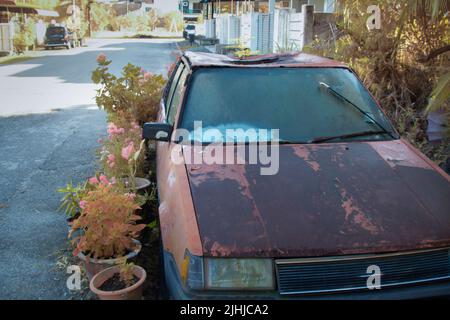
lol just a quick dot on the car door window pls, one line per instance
(176, 98)
(173, 85)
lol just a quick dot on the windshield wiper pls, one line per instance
(345, 136)
(340, 96)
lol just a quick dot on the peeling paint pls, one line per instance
(236, 173)
(305, 154)
(356, 214)
(396, 153)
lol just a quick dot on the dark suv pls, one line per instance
(57, 36)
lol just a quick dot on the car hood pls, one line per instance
(328, 199)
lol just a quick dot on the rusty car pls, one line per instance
(351, 203)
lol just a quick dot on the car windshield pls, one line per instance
(288, 99)
(55, 31)
(190, 27)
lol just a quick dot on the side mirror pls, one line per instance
(157, 131)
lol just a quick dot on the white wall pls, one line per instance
(166, 6)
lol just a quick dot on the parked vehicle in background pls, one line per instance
(351, 201)
(188, 31)
(58, 36)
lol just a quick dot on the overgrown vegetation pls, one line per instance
(400, 63)
(25, 37)
(103, 17)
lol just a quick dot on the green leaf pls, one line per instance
(440, 93)
(152, 224)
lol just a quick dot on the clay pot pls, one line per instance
(94, 266)
(133, 292)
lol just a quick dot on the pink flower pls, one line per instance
(111, 160)
(113, 180)
(130, 196)
(83, 204)
(127, 151)
(104, 179)
(113, 130)
(93, 180)
(100, 141)
(147, 76)
(101, 58)
(134, 125)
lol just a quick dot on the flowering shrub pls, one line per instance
(135, 95)
(108, 220)
(122, 153)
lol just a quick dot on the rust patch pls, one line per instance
(396, 153)
(356, 214)
(236, 173)
(355, 203)
(305, 154)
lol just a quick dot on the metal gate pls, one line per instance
(6, 36)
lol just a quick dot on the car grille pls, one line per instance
(336, 274)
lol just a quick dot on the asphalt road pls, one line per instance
(49, 127)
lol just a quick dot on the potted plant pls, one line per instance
(130, 100)
(108, 221)
(121, 282)
(122, 154)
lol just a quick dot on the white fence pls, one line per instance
(264, 36)
(210, 28)
(285, 30)
(227, 29)
(6, 36)
(296, 30)
(281, 29)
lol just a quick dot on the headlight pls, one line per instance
(239, 274)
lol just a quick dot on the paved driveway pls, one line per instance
(49, 127)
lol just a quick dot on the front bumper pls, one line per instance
(437, 289)
(56, 44)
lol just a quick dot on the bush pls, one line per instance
(25, 37)
(102, 16)
(173, 21)
(108, 221)
(393, 61)
(134, 96)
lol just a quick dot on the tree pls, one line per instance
(102, 16)
(401, 62)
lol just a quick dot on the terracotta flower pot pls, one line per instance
(133, 292)
(94, 266)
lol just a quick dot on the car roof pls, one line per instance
(204, 59)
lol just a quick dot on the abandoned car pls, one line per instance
(350, 210)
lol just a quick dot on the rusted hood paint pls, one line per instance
(330, 199)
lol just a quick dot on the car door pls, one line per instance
(179, 230)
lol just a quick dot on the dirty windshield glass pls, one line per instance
(288, 99)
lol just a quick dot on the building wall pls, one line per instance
(166, 6)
